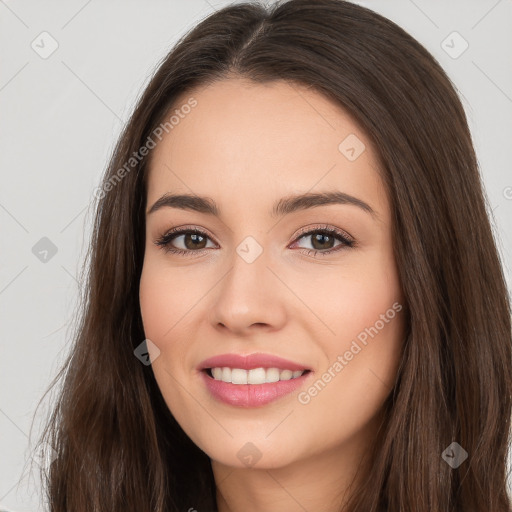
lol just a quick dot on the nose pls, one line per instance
(248, 297)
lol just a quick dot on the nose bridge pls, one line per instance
(248, 293)
(249, 274)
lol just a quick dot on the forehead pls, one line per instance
(262, 141)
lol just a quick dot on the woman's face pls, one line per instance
(251, 283)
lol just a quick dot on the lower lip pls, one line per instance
(252, 395)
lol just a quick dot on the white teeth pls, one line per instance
(254, 376)
(226, 374)
(238, 376)
(272, 375)
(285, 374)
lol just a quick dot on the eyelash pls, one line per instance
(165, 240)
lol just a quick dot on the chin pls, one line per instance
(254, 454)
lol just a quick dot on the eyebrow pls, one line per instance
(282, 207)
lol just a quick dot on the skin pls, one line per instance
(267, 141)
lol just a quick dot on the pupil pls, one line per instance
(195, 237)
(319, 237)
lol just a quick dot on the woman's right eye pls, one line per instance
(192, 238)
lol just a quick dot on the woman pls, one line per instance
(370, 373)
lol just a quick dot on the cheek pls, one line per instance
(154, 297)
(360, 369)
(353, 296)
(375, 324)
(365, 313)
(368, 330)
(166, 296)
(162, 305)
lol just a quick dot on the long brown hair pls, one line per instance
(118, 447)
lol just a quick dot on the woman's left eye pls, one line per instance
(322, 237)
(194, 240)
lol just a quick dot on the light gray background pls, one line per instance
(61, 117)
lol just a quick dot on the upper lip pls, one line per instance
(251, 361)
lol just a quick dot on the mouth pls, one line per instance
(256, 387)
(254, 376)
(252, 380)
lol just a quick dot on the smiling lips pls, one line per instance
(254, 376)
(253, 380)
